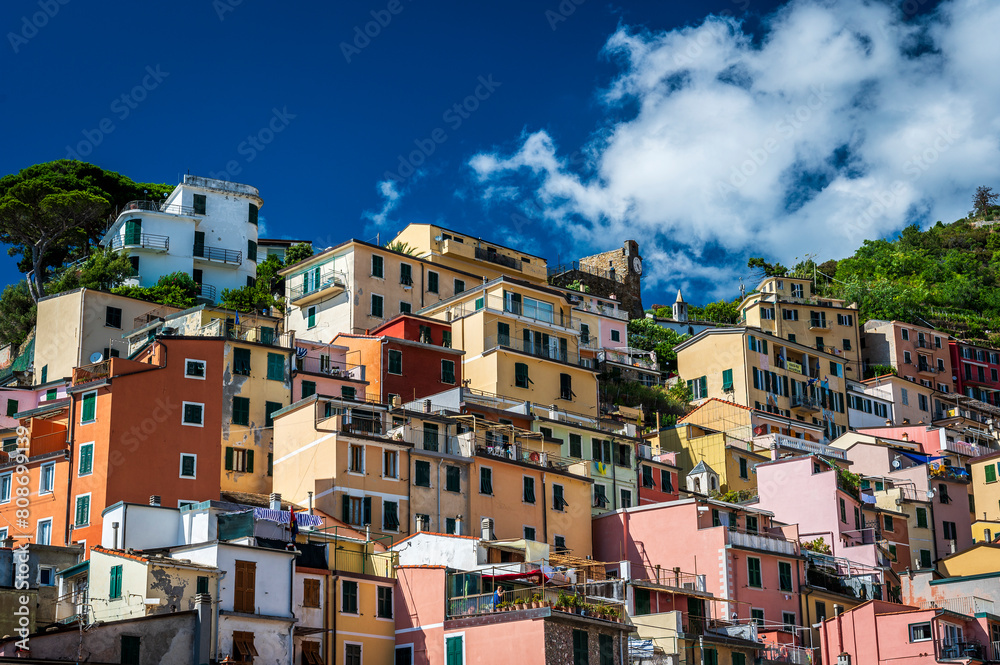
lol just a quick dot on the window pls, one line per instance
(575, 445)
(796, 290)
(446, 339)
(626, 496)
(251, 250)
(757, 616)
(239, 459)
(243, 649)
(486, 481)
(521, 379)
(925, 559)
(390, 516)
(308, 389)
(949, 530)
(390, 464)
(767, 313)
(88, 411)
(887, 521)
(790, 314)
(600, 450)
(739, 658)
(459, 286)
(432, 282)
(789, 619)
(12, 407)
(616, 336)
(448, 371)
(711, 656)
(560, 544)
(991, 473)
(113, 317)
(405, 307)
(921, 514)
(606, 649)
(189, 465)
(453, 479)
(943, 493)
(751, 523)
(86, 465)
(275, 367)
(115, 583)
(241, 411)
(395, 361)
(920, 631)
(405, 274)
(241, 361)
(600, 496)
(454, 650)
(744, 471)
(784, 576)
(431, 436)
(378, 266)
(846, 344)
(43, 535)
(666, 481)
(529, 533)
(349, 597)
(819, 343)
(647, 476)
(356, 459)
(565, 387)
(377, 302)
(194, 369)
(310, 592)
(845, 319)
(47, 478)
(528, 489)
(699, 387)
(727, 379)
(82, 510)
(558, 498)
(311, 317)
(753, 572)
(422, 473)
(383, 604)
(581, 650)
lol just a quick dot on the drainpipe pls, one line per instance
(69, 447)
(218, 604)
(291, 608)
(545, 513)
(331, 608)
(438, 490)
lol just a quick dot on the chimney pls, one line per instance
(275, 501)
(487, 529)
(553, 412)
(114, 537)
(427, 406)
(154, 500)
(458, 525)
(203, 630)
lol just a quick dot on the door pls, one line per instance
(696, 615)
(133, 232)
(199, 243)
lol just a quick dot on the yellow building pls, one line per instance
(732, 459)
(986, 491)
(802, 385)
(787, 308)
(338, 451)
(980, 559)
(466, 253)
(521, 341)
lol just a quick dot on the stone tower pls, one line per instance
(615, 273)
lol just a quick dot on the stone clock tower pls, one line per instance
(618, 273)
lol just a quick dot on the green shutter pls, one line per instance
(82, 510)
(308, 389)
(229, 459)
(922, 518)
(447, 371)
(753, 572)
(784, 576)
(367, 504)
(241, 361)
(453, 652)
(89, 408)
(199, 244)
(269, 409)
(275, 367)
(115, 585)
(311, 317)
(241, 411)
(249, 461)
(727, 379)
(253, 214)
(446, 339)
(251, 250)
(377, 307)
(432, 282)
(345, 509)
(991, 472)
(704, 386)
(270, 464)
(133, 232)
(503, 334)
(348, 392)
(86, 459)
(395, 361)
(202, 584)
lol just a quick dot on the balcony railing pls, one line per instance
(583, 267)
(963, 448)
(631, 357)
(207, 291)
(366, 426)
(675, 579)
(805, 403)
(927, 369)
(785, 653)
(382, 564)
(967, 605)
(557, 316)
(537, 350)
(498, 258)
(303, 287)
(792, 443)
(819, 324)
(427, 439)
(595, 606)
(960, 650)
(93, 372)
(142, 240)
(159, 206)
(761, 541)
(218, 254)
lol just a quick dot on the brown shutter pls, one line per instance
(246, 580)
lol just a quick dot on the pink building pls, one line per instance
(877, 633)
(745, 558)
(470, 630)
(323, 369)
(935, 441)
(15, 400)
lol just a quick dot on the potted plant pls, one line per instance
(536, 601)
(563, 602)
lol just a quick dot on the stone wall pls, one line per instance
(559, 639)
(608, 274)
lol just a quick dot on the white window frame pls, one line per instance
(90, 509)
(456, 634)
(180, 468)
(52, 576)
(358, 644)
(3, 533)
(453, 372)
(525, 527)
(350, 450)
(187, 424)
(7, 478)
(38, 529)
(204, 367)
(910, 627)
(80, 458)
(41, 478)
(83, 397)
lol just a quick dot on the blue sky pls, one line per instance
(580, 123)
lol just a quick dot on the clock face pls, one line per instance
(637, 265)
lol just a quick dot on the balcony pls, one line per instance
(92, 372)
(229, 257)
(363, 426)
(967, 449)
(786, 653)
(925, 368)
(923, 344)
(496, 257)
(805, 404)
(159, 206)
(207, 292)
(762, 541)
(960, 650)
(819, 324)
(967, 605)
(587, 599)
(381, 564)
(769, 441)
(630, 357)
(140, 241)
(430, 440)
(311, 287)
(536, 350)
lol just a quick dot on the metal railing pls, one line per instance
(804, 402)
(581, 267)
(92, 372)
(785, 653)
(587, 602)
(143, 240)
(960, 650)
(382, 564)
(631, 357)
(218, 254)
(498, 258)
(675, 579)
(963, 448)
(159, 206)
(427, 439)
(207, 291)
(792, 443)
(571, 357)
(306, 287)
(967, 605)
(366, 426)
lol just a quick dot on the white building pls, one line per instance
(205, 228)
(868, 405)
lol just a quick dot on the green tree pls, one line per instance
(298, 252)
(647, 335)
(401, 247)
(983, 201)
(51, 213)
(722, 311)
(176, 290)
(767, 269)
(17, 313)
(103, 270)
(262, 294)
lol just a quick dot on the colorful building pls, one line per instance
(324, 369)
(918, 354)
(985, 476)
(976, 370)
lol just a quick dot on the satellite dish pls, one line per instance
(896, 464)
(930, 494)
(96, 357)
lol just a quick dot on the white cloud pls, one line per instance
(840, 122)
(389, 191)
